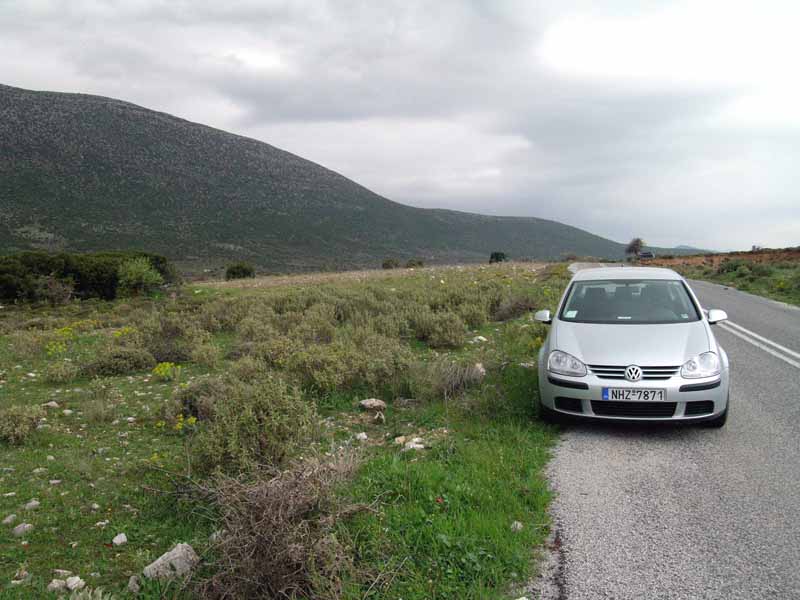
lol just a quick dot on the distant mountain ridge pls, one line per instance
(81, 172)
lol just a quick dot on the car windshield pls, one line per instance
(629, 301)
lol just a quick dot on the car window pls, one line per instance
(629, 301)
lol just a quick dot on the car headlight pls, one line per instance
(565, 364)
(703, 365)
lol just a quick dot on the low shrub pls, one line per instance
(27, 343)
(17, 423)
(240, 270)
(206, 355)
(119, 361)
(61, 371)
(444, 378)
(259, 424)
(390, 263)
(278, 539)
(448, 331)
(414, 263)
(512, 307)
(197, 399)
(170, 337)
(497, 257)
(247, 368)
(166, 371)
(137, 277)
(474, 314)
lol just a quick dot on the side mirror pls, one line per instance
(715, 316)
(543, 316)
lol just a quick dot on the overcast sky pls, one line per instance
(675, 121)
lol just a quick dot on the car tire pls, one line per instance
(548, 415)
(720, 420)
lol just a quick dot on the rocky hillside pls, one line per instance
(81, 172)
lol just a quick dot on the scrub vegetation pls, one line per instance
(771, 273)
(228, 418)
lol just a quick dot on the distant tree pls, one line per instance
(137, 277)
(240, 270)
(634, 247)
(496, 257)
(414, 262)
(391, 263)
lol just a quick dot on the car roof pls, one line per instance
(626, 273)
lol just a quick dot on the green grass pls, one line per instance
(778, 280)
(441, 525)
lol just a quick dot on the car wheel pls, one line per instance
(719, 421)
(548, 415)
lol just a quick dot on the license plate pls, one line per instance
(637, 394)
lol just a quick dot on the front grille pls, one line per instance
(569, 404)
(701, 407)
(633, 409)
(617, 372)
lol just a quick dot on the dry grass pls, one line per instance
(277, 539)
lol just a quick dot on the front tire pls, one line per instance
(720, 420)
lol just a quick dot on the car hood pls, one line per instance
(647, 345)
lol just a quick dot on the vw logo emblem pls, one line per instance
(633, 373)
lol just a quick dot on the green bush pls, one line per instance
(496, 257)
(414, 262)
(258, 424)
(448, 331)
(137, 277)
(61, 371)
(170, 336)
(390, 263)
(197, 398)
(92, 275)
(119, 361)
(17, 423)
(239, 270)
(742, 271)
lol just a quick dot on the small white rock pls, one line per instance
(67, 412)
(516, 526)
(75, 583)
(9, 519)
(362, 436)
(414, 444)
(51, 404)
(21, 529)
(133, 584)
(373, 405)
(55, 481)
(101, 524)
(57, 585)
(120, 539)
(62, 573)
(33, 504)
(95, 506)
(176, 563)
(38, 470)
(50, 457)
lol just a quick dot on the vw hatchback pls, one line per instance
(632, 344)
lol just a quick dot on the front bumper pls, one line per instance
(686, 399)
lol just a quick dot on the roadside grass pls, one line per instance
(778, 280)
(441, 520)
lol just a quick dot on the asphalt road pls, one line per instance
(686, 512)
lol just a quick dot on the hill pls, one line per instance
(88, 173)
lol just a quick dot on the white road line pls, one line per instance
(757, 344)
(784, 349)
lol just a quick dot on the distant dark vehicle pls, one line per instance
(646, 255)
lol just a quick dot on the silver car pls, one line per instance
(632, 344)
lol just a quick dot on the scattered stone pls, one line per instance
(516, 526)
(362, 437)
(131, 419)
(120, 539)
(21, 529)
(101, 524)
(95, 506)
(400, 440)
(67, 412)
(57, 585)
(9, 494)
(373, 405)
(75, 583)
(55, 481)
(175, 563)
(62, 573)
(50, 457)
(33, 504)
(38, 470)
(414, 444)
(9, 519)
(51, 404)
(478, 339)
(480, 370)
(133, 584)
